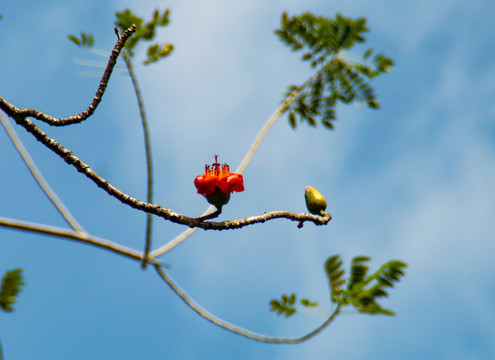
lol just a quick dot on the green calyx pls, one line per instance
(315, 202)
(218, 198)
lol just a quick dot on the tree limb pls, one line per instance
(75, 119)
(73, 235)
(158, 210)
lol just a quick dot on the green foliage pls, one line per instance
(286, 305)
(362, 290)
(334, 271)
(86, 40)
(145, 31)
(322, 42)
(156, 53)
(11, 286)
(319, 36)
(358, 271)
(308, 303)
(363, 293)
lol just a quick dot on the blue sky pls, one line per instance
(412, 181)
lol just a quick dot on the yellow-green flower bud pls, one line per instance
(315, 202)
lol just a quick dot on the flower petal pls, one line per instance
(205, 186)
(236, 182)
(231, 183)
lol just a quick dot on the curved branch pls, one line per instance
(73, 235)
(19, 113)
(280, 214)
(236, 329)
(158, 210)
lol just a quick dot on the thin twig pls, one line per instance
(212, 215)
(19, 113)
(38, 177)
(236, 329)
(73, 235)
(147, 146)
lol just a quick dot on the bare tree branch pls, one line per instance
(20, 113)
(158, 210)
(73, 235)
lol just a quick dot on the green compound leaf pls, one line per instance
(383, 63)
(155, 52)
(323, 43)
(363, 291)
(11, 286)
(358, 271)
(360, 289)
(335, 273)
(284, 306)
(145, 31)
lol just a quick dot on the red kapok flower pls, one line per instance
(217, 183)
